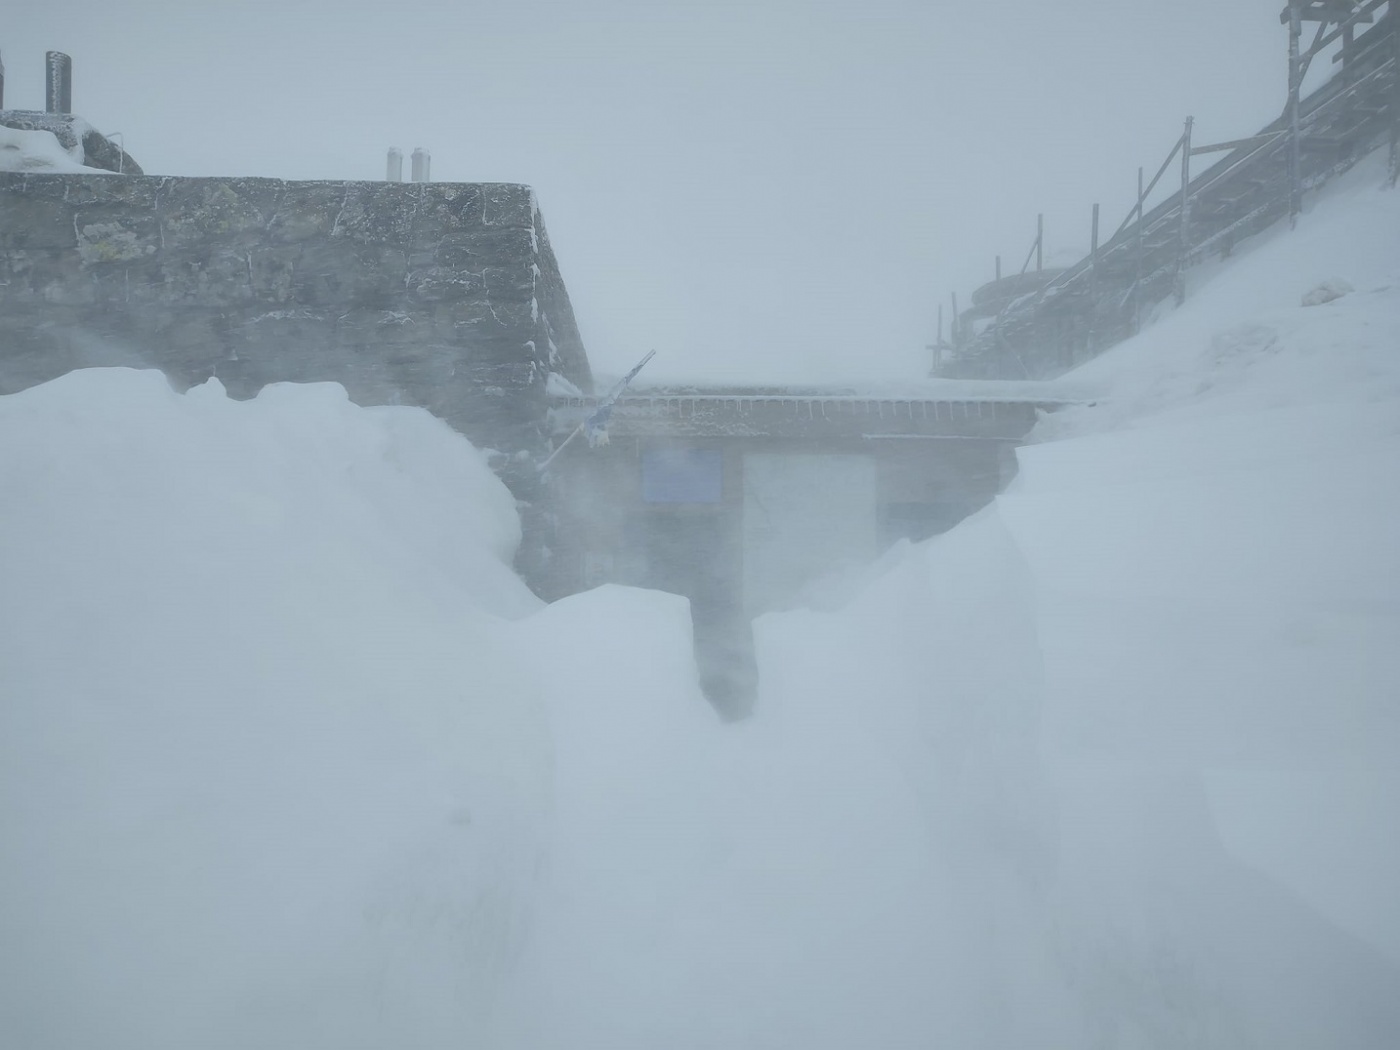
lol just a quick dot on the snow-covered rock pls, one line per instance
(39, 151)
(84, 144)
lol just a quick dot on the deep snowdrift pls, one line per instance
(1216, 552)
(289, 758)
(266, 775)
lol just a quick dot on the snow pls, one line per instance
(1226, 518)
(556, 385)
(289, 757)
(40, 152)
(264, 770)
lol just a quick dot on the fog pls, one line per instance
(778, 190)
(1080, 733)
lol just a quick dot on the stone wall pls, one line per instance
(446, 296)
(440, 295)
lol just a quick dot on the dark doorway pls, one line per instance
(696, 553)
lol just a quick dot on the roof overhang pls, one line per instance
(812, 415)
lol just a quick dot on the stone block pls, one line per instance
(302, 216)
(270, 272)
(508, 204)
(211, 277)
(138, 281)
(496, 246)
(231, 212)
(109, 236)
(29, 221)
(511, 283)
(444, 209)
(125, 195)
(438, 284)
(376, 213)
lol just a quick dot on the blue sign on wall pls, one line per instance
(682, 475)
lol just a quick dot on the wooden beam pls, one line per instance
(1325, 11)
(1257, 140)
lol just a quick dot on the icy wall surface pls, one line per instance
(445, 296)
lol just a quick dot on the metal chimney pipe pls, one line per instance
(421, 161)
(394, 171)
(58, 94)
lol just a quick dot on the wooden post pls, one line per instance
(1039, 239)
(1093, 279)
(1394, 17)
(1295, 86)
(1137, 274)
(936, 347)
(1094, 239)
(1094, 283)
(1184, 233)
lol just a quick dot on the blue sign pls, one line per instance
(682, 475)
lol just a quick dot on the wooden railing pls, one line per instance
(1041, 328)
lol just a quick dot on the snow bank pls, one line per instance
(269, 775)
(1217, 559)
(41, 152)
(289, 757)
(1143, 710)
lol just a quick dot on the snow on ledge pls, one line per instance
(40, 152)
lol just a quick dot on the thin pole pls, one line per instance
(1039, 239)
(1093, 279)
(1139, 223)
(954, 333)
(1295, 85)
(1137, 275)
(1394, 17)
(1094, 238)
(1142, 194)
(1184, 238)
(998, 267)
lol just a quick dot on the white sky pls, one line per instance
(770, 189)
